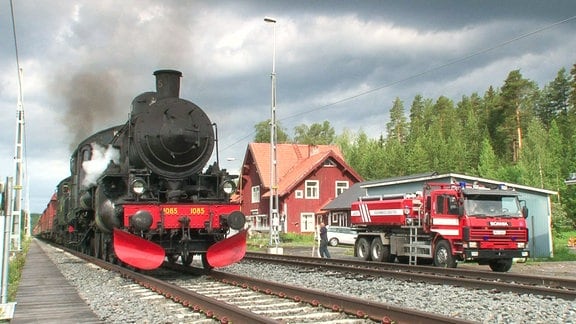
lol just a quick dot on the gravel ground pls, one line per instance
(117, 300)
(475, 305)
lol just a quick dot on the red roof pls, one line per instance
(295, 162)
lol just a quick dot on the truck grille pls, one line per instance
(494, 235)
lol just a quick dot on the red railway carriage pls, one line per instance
(45, 223)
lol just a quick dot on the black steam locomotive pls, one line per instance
(140, 192)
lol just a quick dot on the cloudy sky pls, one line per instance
(341, 61)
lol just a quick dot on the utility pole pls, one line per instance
(274, 210)
(18, 162)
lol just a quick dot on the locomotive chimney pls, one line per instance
(167, 83)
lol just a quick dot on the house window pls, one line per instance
(329, 163)
(255, 194)
(312, 189)
(299, 194)
(341, 186)
(339, 219)
(307, 221)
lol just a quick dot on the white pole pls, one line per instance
(274, 208)
(7, 222)
(18, 156)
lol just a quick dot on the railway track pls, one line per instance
(225, 297)
(509, 282)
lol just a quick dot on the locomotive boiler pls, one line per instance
(142, 192)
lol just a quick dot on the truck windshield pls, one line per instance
(492, 205)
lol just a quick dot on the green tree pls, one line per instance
(553, 102)
(488, 162)
(509, 118)
(315, 134)
(262, 135)
(397, 127)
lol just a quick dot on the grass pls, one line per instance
(15, 269)
(258, 241)
(561, 250)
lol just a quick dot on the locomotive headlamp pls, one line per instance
(138, 186)
(228, 186)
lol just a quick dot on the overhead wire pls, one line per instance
(414, 76)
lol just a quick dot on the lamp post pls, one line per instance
(274, 212)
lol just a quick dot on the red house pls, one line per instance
(309, 177)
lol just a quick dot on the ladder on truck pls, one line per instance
(413, 242)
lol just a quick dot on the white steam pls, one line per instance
(101, 158)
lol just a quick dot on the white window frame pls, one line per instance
(340, 187)
(255, 194)
(307, 224)
(299, 194)
(312, 190)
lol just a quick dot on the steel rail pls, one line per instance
(210, 307)
(385, 313)
(523, 284)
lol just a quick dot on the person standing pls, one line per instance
(324, 242)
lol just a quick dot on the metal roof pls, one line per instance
(434, 176)
(346, 198)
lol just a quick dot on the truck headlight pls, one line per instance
(521, 245)
(473, 245)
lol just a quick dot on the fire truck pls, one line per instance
(444, 224)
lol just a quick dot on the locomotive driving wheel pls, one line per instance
(187, 258)
(172, 258)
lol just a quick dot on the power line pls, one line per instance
(417, 75)
(436, 68)
(18, 69)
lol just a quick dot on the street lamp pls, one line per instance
(274, 217)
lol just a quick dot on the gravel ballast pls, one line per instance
(117, 300)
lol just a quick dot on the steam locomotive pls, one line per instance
(141, 193)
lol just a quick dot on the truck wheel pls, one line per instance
(443, 255)
(501, 265)
(378, 251)
(363, 249)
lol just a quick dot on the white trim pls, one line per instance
(445, 221)
(447, 232)
(255, 190)
(367, 214)
(314, 186)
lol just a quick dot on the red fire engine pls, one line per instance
(443, 224)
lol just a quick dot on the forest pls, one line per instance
(517, 133)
